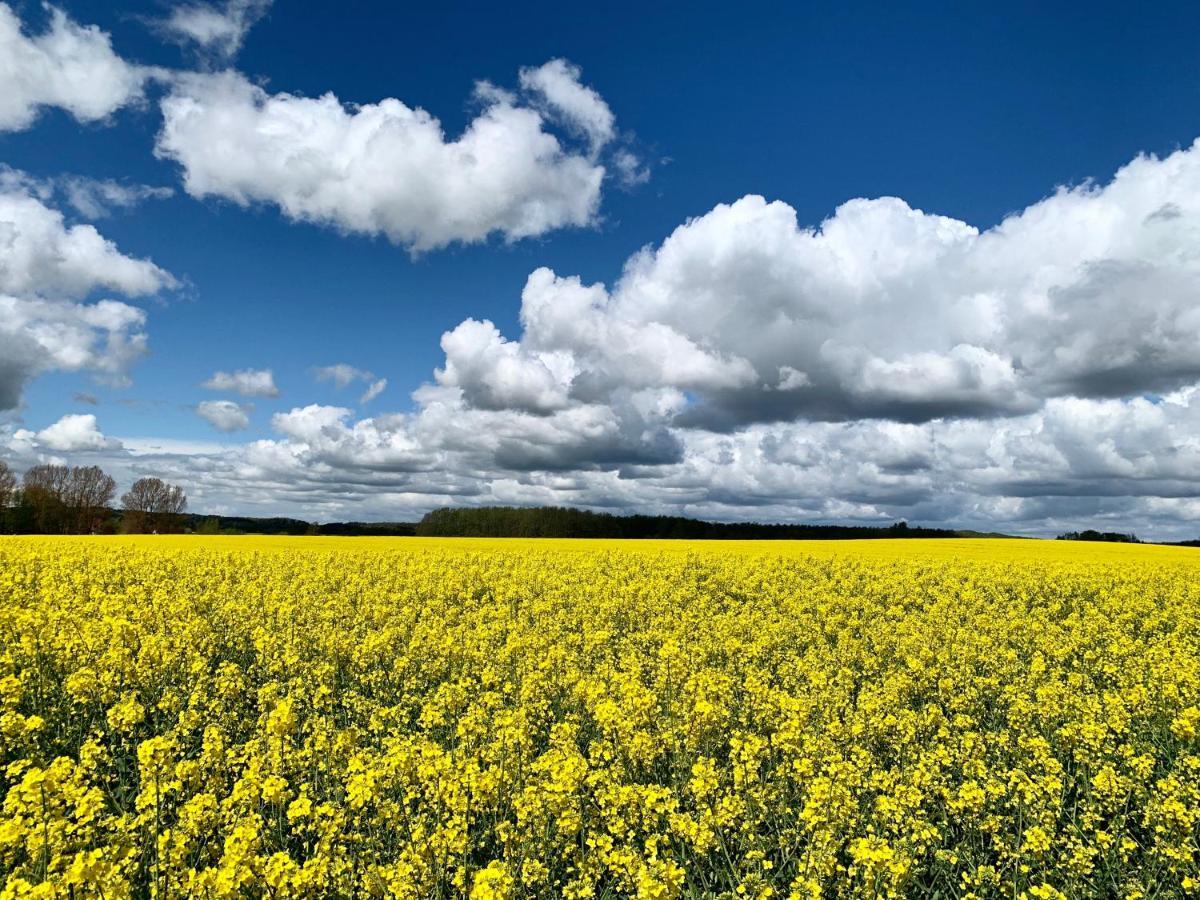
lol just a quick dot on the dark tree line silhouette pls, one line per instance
(58, 499)
(558, 521)
(1108, 537)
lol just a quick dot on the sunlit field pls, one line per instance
(338, 717)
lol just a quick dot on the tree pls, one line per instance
(8, 496)
(89, 493)
(63, 500)
(43, 490)
(8, 486)
(152, 505)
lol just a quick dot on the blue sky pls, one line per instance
(962, 111)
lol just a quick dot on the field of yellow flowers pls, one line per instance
(244, 717)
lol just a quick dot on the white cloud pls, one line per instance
(92, 198)
(344, 374)
(341, 374)
(70, 66)
(247, 382)
(40, 254)
(73, 433)
(558, 87)
(216, 29)
(1124, 463)
(630, 168)
(886, 311)
(45, 266)
(374, 389)
(310, 423)
(96, 198)
(224, 415)
(378, 168)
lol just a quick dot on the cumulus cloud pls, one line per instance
(75, 433)
(387, 168)
(46, 267)
(40, 253)
(557, 85)
(70, 66)
(224, 415)
(247, 382)
(883, 311)
(215, 29)
(37, 335)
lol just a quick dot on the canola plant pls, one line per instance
(242, 717)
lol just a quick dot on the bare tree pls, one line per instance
(89, 492)
(66, 499)
(8, 486)
(152, 505)
(8, 496)
(43, 489)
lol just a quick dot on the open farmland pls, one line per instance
(317, 717)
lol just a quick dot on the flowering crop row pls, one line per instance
(236, 719)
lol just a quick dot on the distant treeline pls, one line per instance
(59, 499)
(1111, 537)
(279, 525)
(563, 522)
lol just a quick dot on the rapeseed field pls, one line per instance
(245, 717)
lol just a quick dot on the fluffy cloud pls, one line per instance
(40, 254)
(247, 382)
(45, 267)
(883, 311)
(215, 29)
(73, 433)
(224, 415)
(40, 335)
(557, 85)
(387, 168)
(70, 66)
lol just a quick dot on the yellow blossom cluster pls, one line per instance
(182, 717)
